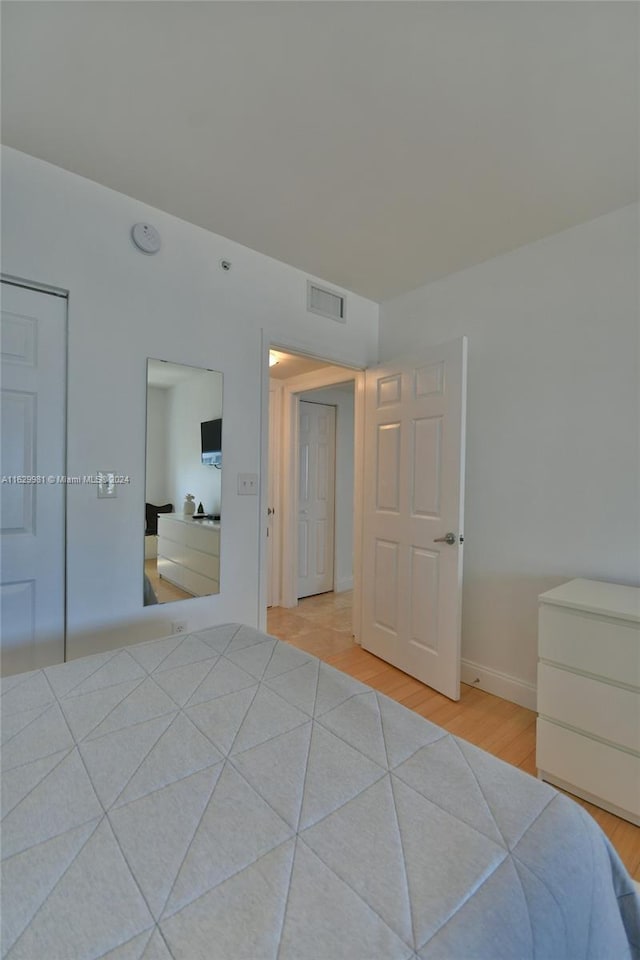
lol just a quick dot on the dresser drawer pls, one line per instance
(188, 580)
(592, 644)
(172, 529)
(205, 564)
(198, 585)
(170, 549)
(598, 708)
(206, 539)
(172, 572)
(605, 773)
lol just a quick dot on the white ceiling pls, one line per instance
(378, 145)
(162, 374)
(293, 364)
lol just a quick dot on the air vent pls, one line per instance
(326, 303)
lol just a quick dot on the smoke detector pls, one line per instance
(146, 238)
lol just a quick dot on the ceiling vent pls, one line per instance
(326, 302)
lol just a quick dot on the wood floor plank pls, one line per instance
(321, 626)
(520, 747)
(529, 763)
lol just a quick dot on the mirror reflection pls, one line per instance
(183, 476)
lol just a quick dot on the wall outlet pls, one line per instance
(179, 626)
(248, 484)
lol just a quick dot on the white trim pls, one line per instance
(317, 379)
(500, 684)
(263, 485)
(275, 452)
(346, 583)
(358, 501)
(288, 502)
(32, 285)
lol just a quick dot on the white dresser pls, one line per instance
(588, 735)
(189, 553)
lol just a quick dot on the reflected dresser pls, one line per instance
(189, 553)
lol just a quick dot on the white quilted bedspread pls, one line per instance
(225, 796)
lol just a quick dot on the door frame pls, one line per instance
(272, 485)
(288, 441)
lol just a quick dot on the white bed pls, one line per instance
(224, 796)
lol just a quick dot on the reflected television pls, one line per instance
(211, 434)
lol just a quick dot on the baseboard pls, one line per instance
(345, 583)
(501, 684)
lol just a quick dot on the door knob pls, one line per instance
(449, 538)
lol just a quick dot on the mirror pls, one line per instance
(183, 475)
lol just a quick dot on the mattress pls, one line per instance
(224, 795)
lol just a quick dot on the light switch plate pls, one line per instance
(107, 487)
(247, 484)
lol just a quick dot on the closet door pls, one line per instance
(32, 494)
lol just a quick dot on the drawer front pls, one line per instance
(170, 549)
(172, 572)
(206, 539)
(203, 563)
(606, 648)
(172, 529)
(591, 705)
(609, 774)
(198, 585)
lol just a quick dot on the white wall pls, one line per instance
(63, 230)
(552, 442)
(190, 402)
(343, 399)
(157, 483)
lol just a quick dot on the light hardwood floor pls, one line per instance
(322, 625)
(164, 591)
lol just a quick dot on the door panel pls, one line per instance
(387, 467)
(413, 496)
(427, 467)
(386, 582)
(303, 549)
(424, 598)
(18, 459)
(33, 352)
(316, 494)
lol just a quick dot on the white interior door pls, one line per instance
(273, 573)
(316, 496)
(413, 500)
(32, 577)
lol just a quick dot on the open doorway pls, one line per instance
(312, 511)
